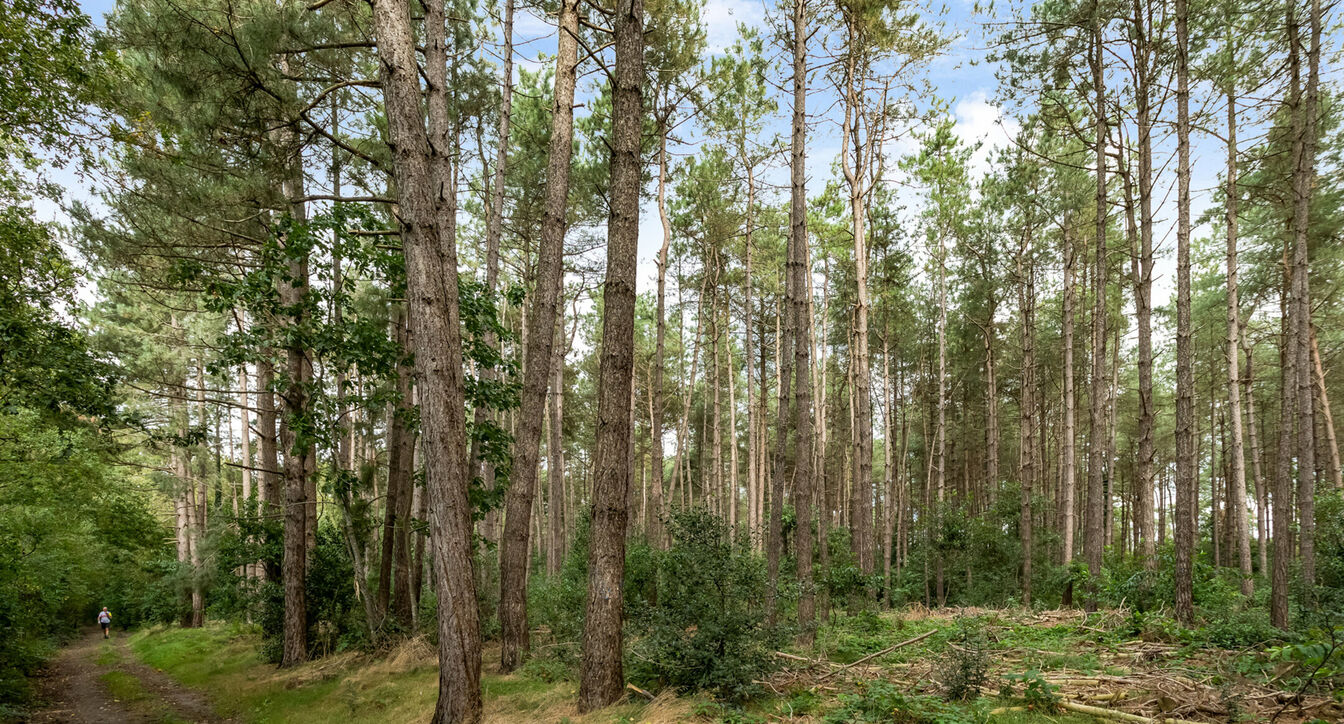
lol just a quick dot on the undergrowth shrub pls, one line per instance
(1037, 693)
(707, 631)
(966, 665)
(849, 638)
(555, 604)
(882, 702)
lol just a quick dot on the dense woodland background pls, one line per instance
(351, 342)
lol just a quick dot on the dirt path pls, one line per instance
(93, 680)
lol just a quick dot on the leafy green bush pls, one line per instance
(556, 603)
(1318, 660)
(848, 638)
(842, 579)
(707, 631)
(1239, 629)
(1037, 693)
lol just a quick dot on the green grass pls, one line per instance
(124, 687)
(108, 654)
(353, 688)
(349, 688)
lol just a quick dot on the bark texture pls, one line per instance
(601, 676)
(1186, 471)
(426, 207)
(540, 346)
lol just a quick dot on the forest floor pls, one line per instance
(1062, 667)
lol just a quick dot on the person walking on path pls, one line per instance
(105, 620)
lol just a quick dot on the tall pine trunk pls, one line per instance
(540, 343)
(798, 270)
(1304, 173)
(1236, 503)
(1067, 467)
(1097, 500)
(601, 677)
(421, 166)
(1186, 472)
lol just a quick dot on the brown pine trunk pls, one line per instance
(1283, 483)
(555, 468)
(1261, 494)
(494, 230)
(1094, 541)
(1323, 399)
(855, 167)
(732, 426)
(271, 502)
(755, 491)
(1026, 273)
(802, 328)
(1142, 272)
(601, 676)
(249, 491)
(656, 419)
(888, 516)
(540, 342)
(293, 291)
(400, 489)
(784, 340)
(1186, 472)
(1304, 174)
(1067, 467)
(395, 432)
(427, 209)
(1237, 479)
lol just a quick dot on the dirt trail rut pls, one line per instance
(92, 680)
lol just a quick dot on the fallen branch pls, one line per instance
(640, 691)
(887, 650)
(1114, 715)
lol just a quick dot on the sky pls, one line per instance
(960, 78)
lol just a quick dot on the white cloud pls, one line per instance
(979, 121)
(721, 18)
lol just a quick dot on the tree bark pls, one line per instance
(1237, 483)
(798, 269)
(601, 676)
(494, 231)
(540, 342)
(1336, 475)
(1094, 544)
(1026, 273)
(1186, 472)
(400, 486)
(1261, 493)
(1143, 286)
(1304, 174)
(422, 171)
(656, 419)
(271, 503)
(784, 340)
(293, 292)
(555, 466)
(1067, 467)
(861, 496)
